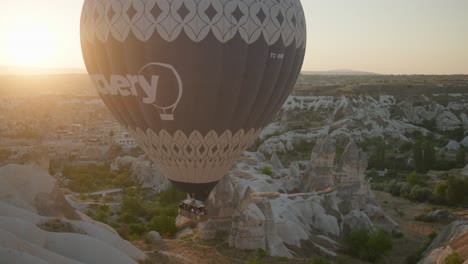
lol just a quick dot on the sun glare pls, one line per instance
(28, 45)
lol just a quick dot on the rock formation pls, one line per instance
(149, 175)
(464, 172)
(30, 201)
(143, 171)
(276, 162)
(320, 174)
(255, 211)
(353, 189)
(452, 239)
(33, 189)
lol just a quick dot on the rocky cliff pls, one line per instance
(281, 215)
(37, 225)
(452, 239)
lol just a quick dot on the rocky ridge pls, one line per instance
(364, 115)
(281, 215)
(452, 239)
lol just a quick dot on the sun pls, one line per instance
(28, 45)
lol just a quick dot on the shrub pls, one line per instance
(171, 195)
(267, 171)
(419, 193)
(137, 230)
(368, 244)
(415, 179)
(262, 253)
(394, 188)
(164, 225)
(453, 258)
(254, 261)
(319, 261)
(397, 235)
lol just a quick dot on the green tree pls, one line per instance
(132, 206)
(461, 157)
(440, 191)
(429, 156)
(123, 180)
(415, 179)
(418, 157)
(368, 244)
(378, 245)
(164, 225)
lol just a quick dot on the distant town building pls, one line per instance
(123, 138)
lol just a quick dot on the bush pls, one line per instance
(405, 190)
(254, 261)
(164, 225)
(452, 192)
(419, 193)
(171, 196)
(262, 253)
(267, 171)
(415, 179)
(136, 231)
(453, 258)
(394, 188)
(368, 244)
(319, 261)
(133, 206)
(425, 218)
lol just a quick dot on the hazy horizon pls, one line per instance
(386, 37)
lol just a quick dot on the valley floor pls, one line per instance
(190, 249)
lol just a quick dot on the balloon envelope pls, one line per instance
(193, 81)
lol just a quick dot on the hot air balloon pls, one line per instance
(193, 81)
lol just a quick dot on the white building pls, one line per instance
(123, 138)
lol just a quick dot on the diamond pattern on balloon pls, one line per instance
(183, 11)
(211, 12)
(274, 20)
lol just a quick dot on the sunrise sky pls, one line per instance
(383, 36)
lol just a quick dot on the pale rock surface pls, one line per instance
(22, 240)
(143, 171)
(254, 211)
(122, 164)
(448, 121)
(320, 174)
(32, 188)
(14, 256)
(464, 118)
(58, 247)
(271, 146)
(453, 146)
(356, 220)
(464, 172)
(149, 175)
(276, 162)
(464, 142)
(453, 238)
(353, 189)
(155, 236)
